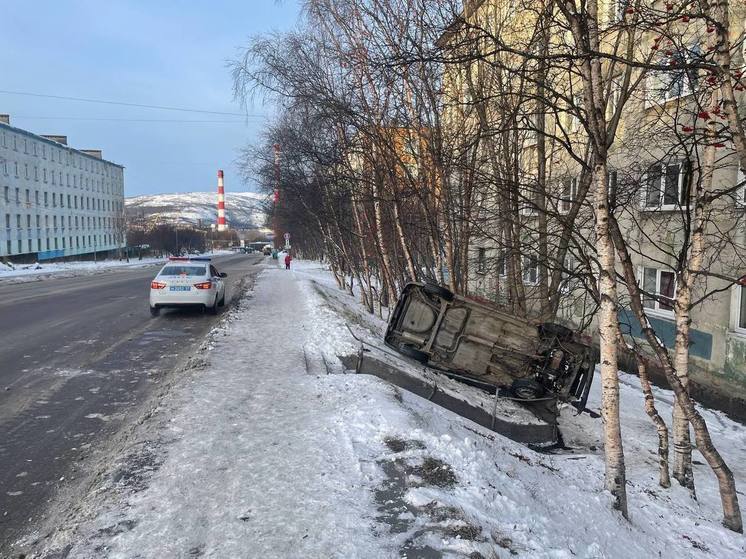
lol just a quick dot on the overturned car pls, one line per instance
(477, 341)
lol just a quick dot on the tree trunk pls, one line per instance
(663, 476)
(608, 327)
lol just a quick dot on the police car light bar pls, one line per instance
(188, 259)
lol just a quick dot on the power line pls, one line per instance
(126, 104)
(127, 119)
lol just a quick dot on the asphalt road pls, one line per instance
(77, 358)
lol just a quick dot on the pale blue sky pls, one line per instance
(170, 53)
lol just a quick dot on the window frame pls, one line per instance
(565, 203)
(740, 190)
(656, 310)
(684, 172)
(526, 268)
(738, 293)
(481, 261)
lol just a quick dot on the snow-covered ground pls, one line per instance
(19, 273)
(260, 453)
(38, 271)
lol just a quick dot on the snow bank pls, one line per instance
(26, 272)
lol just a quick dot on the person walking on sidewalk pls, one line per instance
(287, 261)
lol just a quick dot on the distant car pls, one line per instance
(187, 282)
(475, 339)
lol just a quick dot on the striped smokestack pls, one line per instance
(221, 203)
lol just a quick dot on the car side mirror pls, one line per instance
(223, 275)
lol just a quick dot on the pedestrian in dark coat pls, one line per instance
(287, 261)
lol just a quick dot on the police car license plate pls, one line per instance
(179, 288)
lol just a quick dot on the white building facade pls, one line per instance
(56, 201)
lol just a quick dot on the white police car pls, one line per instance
(187, 282)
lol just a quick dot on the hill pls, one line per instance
(243, 210)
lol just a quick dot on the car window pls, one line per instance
(183, 271)
(213, 271)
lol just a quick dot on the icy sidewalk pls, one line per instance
(263, 460)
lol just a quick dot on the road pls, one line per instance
(78, 358)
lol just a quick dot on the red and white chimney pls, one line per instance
(221, 203)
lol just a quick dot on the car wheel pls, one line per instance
(526, 389)
(414, 353)
(438, 291)
(214, 308)
(221, 303)
(552, 330)
(154, 311)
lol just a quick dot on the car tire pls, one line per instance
(552, 330)
(438, 291)
(155, 311)
(414, 353)
(221, 303)
(214, 308)
(526, 389)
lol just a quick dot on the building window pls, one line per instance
(666, 185)
(740, 188)
(481, 260)
(738, 311)
(530, 269)
(36, 198)
(46, 199)
(660, 290)
(18, 195)
(574, 116)
(569, 193)
(679, 81)
(6, 194)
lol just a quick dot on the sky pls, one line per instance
(151, 52)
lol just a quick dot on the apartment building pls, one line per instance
(56, 201)
(649, 177)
